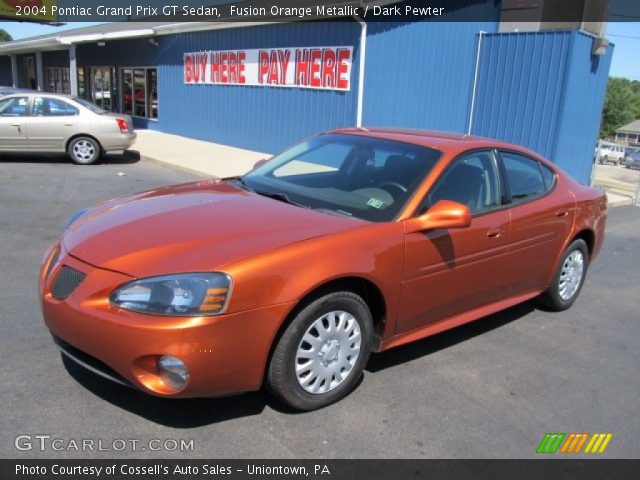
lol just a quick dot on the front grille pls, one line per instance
(66, 282)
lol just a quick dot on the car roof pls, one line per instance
(439, 140)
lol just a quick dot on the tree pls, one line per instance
(621, 105)
(4, 36)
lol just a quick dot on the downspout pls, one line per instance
(361, 65)
(14, 71)
(475, 82)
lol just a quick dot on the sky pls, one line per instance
(625, 36)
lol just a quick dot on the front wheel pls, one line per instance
(569, 277)
(84, 150)
(322, 353)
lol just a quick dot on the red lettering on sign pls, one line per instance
(302, 67)
(329, 68)
(316, 64)
(188, 72)
(215, 67)
(273, 68)
(263, 59)
(241, 58)
(233, 60)
(344, 58)
(284, 56)
(224, 67)
(202, 66)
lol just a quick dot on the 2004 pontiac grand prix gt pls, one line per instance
(353, 241)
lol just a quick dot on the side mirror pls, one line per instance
(259, 163)
(444, 214)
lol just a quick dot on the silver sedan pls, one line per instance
(43, 122)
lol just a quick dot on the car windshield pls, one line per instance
(363, 177)
(91, 106)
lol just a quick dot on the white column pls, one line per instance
(73, 70)
(361, 67)
(39, 71)
(14, 71)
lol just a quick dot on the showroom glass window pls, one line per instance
(527, 177)
(139, 91)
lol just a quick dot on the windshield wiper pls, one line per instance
(282, 197)
(242, 183)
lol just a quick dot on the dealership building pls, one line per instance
(262, 86)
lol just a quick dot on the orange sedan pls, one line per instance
(354, 241)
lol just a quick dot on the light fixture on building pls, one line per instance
(153, 42)
(101, 44)
(599, 47)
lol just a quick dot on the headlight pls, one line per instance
(75, 217)
(186, 294)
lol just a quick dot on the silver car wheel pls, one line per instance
(327, 352)
(571, 275)
(83, 150)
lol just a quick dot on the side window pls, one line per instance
(52, 107)
(548, 176)
(14, 107)
(472, 181)
(524, 175)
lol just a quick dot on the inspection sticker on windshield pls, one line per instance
(375, 203)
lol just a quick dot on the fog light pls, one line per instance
(172, 371)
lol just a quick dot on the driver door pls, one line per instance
(451, 271)
(13, 132)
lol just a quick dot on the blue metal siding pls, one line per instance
(5, 71)
(544, 91)
(582, 102)
(521, 78)
(56, 58)
(420, 75)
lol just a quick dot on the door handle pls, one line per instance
(494, 232)
(15, 125)
(562, 212)
(68, 124)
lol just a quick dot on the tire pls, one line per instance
(347, 313)
(563, 292)
(84, 151)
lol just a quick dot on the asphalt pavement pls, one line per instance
(490, 389)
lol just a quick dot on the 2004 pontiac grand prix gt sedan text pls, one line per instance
(350, 242)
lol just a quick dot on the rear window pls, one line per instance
(87, 104)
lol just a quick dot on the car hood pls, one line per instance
(191, 227)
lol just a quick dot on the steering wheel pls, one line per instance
(395, 185)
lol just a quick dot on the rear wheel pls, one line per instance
(84, 150)
(569, 277)
(322, 353)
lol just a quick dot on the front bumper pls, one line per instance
(224, 354)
